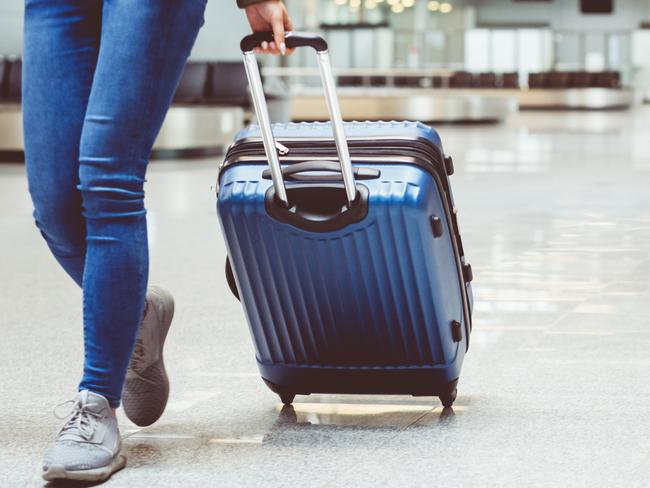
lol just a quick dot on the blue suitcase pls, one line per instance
(346, 253)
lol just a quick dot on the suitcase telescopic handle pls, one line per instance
(294, 40)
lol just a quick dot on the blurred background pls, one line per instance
(437, 61)
(483, 35)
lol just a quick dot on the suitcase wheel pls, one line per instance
(230, 278)
(285, 395)
(449, 398)
(287, 398)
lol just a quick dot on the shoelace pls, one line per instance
(138, 355)
(82, 422)
(137, 358)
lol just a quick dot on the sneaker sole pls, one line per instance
(58, 472)
(145, 396)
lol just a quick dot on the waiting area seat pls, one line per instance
(228, 85)
(398, 94)
(486, 80)
(575, 90)
(510, 80)
(574, 79)
(10, 80)
(193, 85)
(3, 69)
(378, 80)
(410, 81)
(11, 134)
(350, 81)
(429, 95)
(213, 83)
(580, 90)
(417, 79)
(461, 79)
(207, 110)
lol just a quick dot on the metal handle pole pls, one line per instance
(262, 111)
(334, 109)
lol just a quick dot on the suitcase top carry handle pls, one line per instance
(295, 172)
(293, 40)
(248, 45)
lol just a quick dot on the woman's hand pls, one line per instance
(267, 16)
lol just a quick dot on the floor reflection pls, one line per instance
(360, 414)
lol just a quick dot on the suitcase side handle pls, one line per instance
(318, 208)
(262, 112)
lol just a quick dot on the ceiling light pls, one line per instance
(445, 7)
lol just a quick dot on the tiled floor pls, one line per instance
(555, 211)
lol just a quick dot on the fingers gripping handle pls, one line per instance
(248, 45)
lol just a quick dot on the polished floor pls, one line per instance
(555, 211)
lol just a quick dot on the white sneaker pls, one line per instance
(88, 446)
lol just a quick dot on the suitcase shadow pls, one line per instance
(378, 416)
(72, 484)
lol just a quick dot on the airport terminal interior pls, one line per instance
(544, 107)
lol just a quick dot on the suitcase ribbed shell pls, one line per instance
(382, 292)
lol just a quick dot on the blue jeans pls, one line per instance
(98, 78)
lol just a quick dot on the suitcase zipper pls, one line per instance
(326, 148)
(282, 150)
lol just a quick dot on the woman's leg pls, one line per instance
(144, 47)
(60, 52)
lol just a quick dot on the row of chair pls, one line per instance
(460, 79)
(464, 79)
(574, 79)
(214, 83)
(550, 79)
(10, 80)
(205, 83)
(225, 83)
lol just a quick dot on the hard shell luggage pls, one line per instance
(345, 251)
